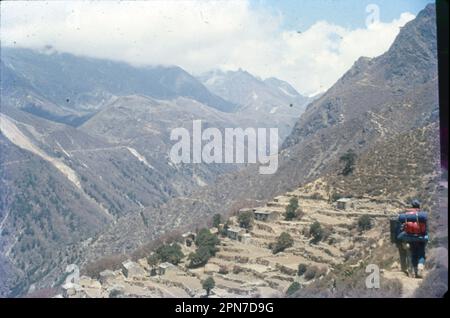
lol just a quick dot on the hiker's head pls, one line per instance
(415, 204)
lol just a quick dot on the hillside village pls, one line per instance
(245, 264)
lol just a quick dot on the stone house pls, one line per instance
(132, 269)
(233, 232)
(262, 215)
(344, 203)
(163, 268)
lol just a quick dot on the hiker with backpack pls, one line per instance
(409, 232)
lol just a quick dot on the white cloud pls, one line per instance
(197, 36)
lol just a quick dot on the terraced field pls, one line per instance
(248, 268)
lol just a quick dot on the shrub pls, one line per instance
(332, 241)
(170, 253)
(301, 269)
(348, 159)
(217, 219)
(283, 242)
(364, 223)
(115, 293)
(434, 285)
(295, 286)
(316, 196)
(206, 248)
(350, 254)
(294, 202)
(237, 269)
(245, 219)
(311, 272)
(200, 257)
(224, 230)
(153, 260)
(223, 270)
(336, 196)
(207, 240)
(290, 214)
(208, 284)
(291, 209)
(316, 232)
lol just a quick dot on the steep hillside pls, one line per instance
(402, 83)
(394, 166)
(43, 217)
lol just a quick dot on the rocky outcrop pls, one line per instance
(131, 269)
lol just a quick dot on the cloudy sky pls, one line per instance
(309, 43)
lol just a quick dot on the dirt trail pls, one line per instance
(409, 284)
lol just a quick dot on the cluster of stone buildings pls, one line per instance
(266, 214)
(138, 270)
